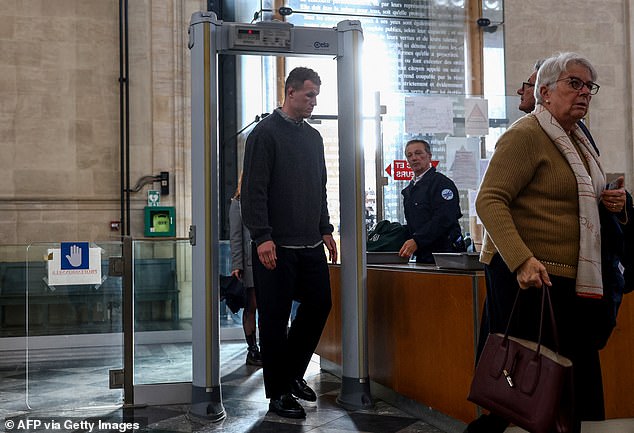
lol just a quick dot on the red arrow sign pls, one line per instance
(401, 170)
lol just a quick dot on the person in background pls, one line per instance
(531, 201)
(527, 90)
(242, 269)
(432, 208)
(285, 208)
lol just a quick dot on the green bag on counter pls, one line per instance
(387, 236)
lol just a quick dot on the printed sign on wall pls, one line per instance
(74, 263)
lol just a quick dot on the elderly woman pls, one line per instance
(539, 204)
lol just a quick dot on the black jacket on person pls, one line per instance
(432, 211)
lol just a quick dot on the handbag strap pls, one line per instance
(545, 296)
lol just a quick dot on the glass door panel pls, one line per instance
(73, 324)
(230, 322)
(162, 312)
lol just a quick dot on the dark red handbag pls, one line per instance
(525, 382)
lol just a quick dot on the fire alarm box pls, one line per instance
(160, 221)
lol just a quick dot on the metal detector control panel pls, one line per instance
(262, 36)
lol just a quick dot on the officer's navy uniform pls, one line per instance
(432, 211)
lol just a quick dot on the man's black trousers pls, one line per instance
(301, 274)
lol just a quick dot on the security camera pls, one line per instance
(486, 25)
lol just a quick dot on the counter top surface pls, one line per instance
(423, 268)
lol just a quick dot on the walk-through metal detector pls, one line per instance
(208, 37)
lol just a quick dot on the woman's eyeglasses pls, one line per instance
(578, 84)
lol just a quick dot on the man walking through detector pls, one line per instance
(285, 209)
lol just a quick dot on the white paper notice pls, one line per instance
(428, 115)
(476, 116)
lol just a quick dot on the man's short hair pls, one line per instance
(419, 140)
(538, 64)
(297, 77)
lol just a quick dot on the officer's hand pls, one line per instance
(408, 248)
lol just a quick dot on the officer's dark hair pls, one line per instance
(419, 140)
(297, 77)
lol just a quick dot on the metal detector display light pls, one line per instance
(262, 36)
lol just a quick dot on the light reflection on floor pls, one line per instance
(78, 391)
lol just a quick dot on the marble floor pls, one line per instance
(73, 396)
(243, 399)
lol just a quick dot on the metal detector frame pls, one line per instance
(209, 37)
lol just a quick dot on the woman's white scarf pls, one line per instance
(589, 187)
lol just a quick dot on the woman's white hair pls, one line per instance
(554, 66)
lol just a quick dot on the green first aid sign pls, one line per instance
(153, 198)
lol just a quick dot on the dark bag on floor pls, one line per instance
(232, 291)
(525, 382)
(387, 236)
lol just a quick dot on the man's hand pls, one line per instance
(237, 273)
(330, 243)
(408, 248)
(532, 273)
(267, 254)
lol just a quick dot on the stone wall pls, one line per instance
(599, 31)
(59, 114)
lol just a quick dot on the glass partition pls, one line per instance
(418, 88)
(12, 292)
(61, 338)
(162, 311)
(73, 322)
(462, 131)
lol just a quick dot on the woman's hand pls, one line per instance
(237, 273)
(532, 273)
(614, 199)
(408, 248)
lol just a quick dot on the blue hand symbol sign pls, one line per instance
(75, 256)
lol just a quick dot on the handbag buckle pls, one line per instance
(508, 378)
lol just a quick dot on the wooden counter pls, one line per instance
(422, 324)
(421, 333)
(617, 363)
